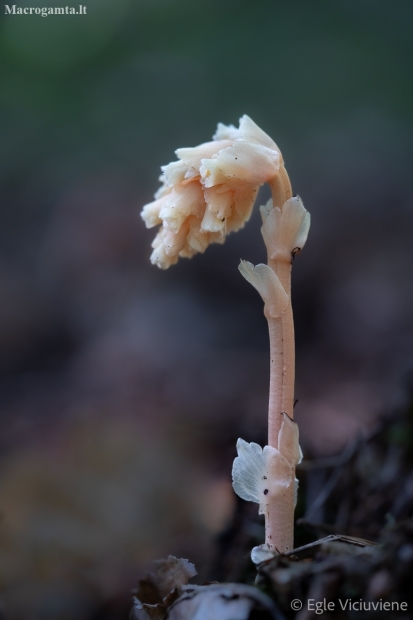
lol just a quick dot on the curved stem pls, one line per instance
(281, 187)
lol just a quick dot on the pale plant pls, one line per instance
(209, 192)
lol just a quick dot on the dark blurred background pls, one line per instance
(123, 388)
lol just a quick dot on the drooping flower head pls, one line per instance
(210, 191)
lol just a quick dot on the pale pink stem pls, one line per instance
(283, 271)
(276, 380)
(279, 522)
(279, 518)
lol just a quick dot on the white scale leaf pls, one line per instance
(261, 474)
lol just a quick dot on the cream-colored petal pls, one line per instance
(191, 174)
(167, 245)
(217, 237)
(192, 156)
(173, 215)
(175, 241)
(163, 191)
(183, 201)
(162, 260)
(249, 163)
(187, 252)
(288, 440)
(285, 231)
(250, 132)
(234, 223)
(174, 172)
(244, 199)
(159, 256)
(267, 283)
(221, 189)
(226, 132)
(218, 202)
(197, 239)
(151, 213)
(212, 223)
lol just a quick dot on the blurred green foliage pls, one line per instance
(131, 80)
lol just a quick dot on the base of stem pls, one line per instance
(279, 522)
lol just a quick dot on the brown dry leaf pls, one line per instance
(166, 575)
(161, 587)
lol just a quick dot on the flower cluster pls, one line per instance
(210, 191)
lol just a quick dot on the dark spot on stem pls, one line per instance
(266, 491)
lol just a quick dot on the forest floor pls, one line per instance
(354, 551)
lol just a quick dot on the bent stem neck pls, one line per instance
(281, 189)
